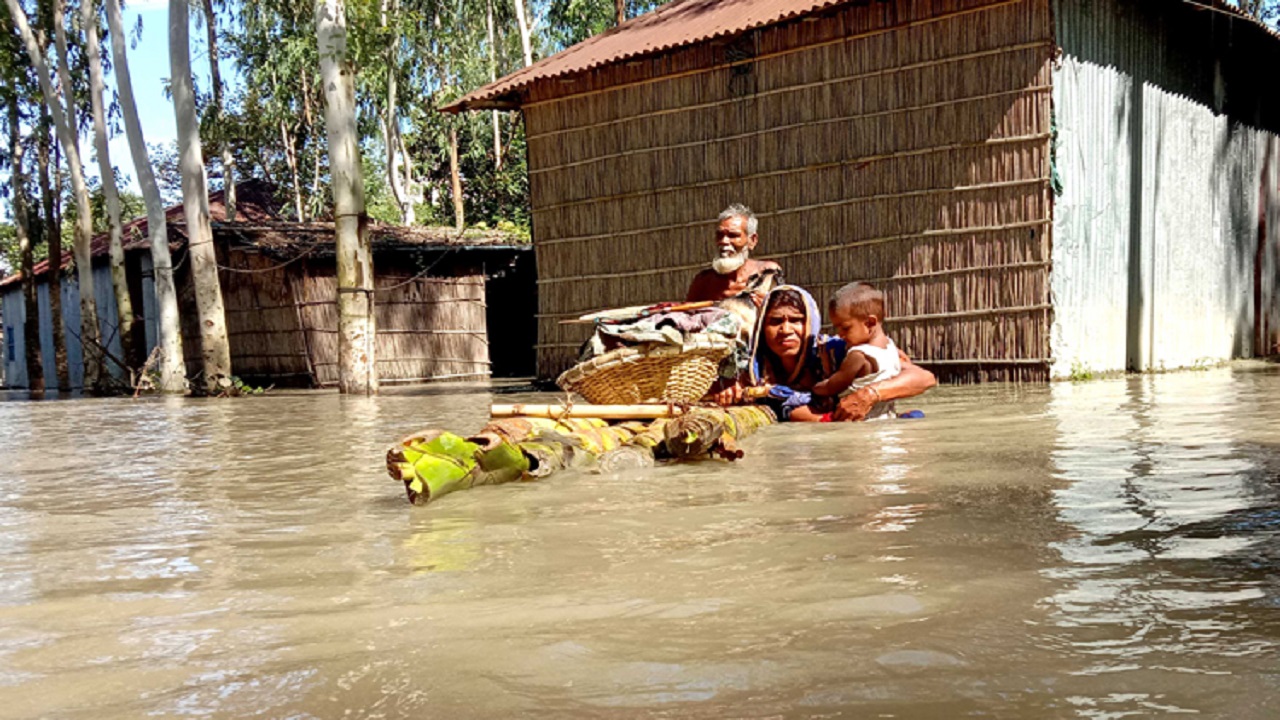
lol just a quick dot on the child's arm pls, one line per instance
(855, 365)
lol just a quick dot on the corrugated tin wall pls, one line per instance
(15, 316)
(904, 143)
(1158, 109)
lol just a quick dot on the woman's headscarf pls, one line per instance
(822, 354)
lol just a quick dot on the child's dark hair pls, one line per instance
(858, 299)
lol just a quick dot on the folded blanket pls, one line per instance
(673, 328)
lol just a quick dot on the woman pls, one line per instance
(789, 353)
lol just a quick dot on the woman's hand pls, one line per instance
(912, 381)
(855, 405)
(728, 395)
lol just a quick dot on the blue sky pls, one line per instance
(149, 66)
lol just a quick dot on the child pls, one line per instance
(857, 315)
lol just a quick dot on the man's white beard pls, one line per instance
(727, 264)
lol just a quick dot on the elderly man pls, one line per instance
(733, 267)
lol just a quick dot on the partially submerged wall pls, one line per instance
(1166, 149)
(14, 309)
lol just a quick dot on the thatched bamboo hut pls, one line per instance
(433, 292)
(449, 306)
(913, 144)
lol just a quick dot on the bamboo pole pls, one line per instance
(773, 130)
(859, 161)
(606, 412)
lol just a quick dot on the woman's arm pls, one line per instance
(910, 382)
(804, 414)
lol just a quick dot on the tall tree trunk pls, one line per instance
(31, 318)
(357, 368)
(171, 367)
(313, 200)
(91, 345)
(53, 241)
(455, 182)
(391, 120)
(493, 76)
(90, 339)
(619, 11)
(119, 280)
(215, 350)
(215, 80)
(526, 44)
(291, 159)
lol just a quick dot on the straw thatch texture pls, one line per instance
(429, 328)
(282, 320)
(263, 319)
(903, 143)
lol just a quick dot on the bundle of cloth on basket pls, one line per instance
(669, 352)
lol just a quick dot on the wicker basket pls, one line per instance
(649, 373)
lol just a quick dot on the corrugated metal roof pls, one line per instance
(678, 24)
(253, 204)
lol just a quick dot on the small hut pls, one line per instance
(1039, 186)
(439, 294)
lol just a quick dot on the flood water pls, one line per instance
(1097, 550)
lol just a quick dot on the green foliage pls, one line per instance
(1080, 372)
(10, 258)
(131, 206)
(10, 255)
(571, 21)
(235, 387)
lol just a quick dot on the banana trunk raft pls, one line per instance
(434, 463)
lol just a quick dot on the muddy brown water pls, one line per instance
(1097, 550)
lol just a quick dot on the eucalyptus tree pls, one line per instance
(526, 32)
(219, 124)
(214, 348)
(275, 49)
(169, 341)
(14, 80)
(52, 231)
(119, 281)
(64, 120)
(357, 364)
(399, 164)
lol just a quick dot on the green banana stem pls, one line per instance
(434, 463)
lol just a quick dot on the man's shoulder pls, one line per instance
(762, 265)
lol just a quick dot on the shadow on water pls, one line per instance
(1172, 494)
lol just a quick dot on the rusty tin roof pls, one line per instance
(678, 24)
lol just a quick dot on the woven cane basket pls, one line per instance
(649, 373)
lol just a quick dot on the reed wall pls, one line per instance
(428, 328)
(904, 143)
(264, 328)
(282, 319)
